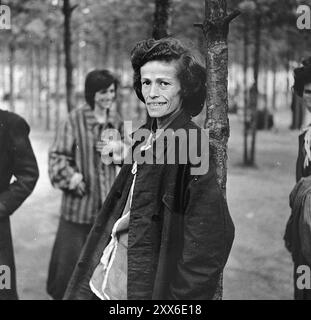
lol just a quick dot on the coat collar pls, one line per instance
(176, 123)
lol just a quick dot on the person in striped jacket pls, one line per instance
(75, 167)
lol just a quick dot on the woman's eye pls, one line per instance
(146, 83)
(164, 83)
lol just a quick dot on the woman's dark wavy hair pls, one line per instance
(191, 73)
(302, 76)
(95, 81)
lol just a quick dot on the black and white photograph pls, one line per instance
(155, 150)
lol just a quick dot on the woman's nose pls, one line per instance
(153, 90)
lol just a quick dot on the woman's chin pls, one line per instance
(154, 114)
(104, 108)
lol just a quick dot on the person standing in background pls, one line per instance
(298, 229)
(16, 160)
(75, 167)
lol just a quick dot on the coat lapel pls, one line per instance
(159, 153)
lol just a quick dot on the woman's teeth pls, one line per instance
(157, 104)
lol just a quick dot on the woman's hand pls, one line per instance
(81, 189)
(77, 184)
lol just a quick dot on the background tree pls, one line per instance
(67, 11)
(101, 39)
(263, 23)
(215, 29)
(162, 19)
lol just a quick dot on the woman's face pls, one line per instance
(160, 88)
(307, 96)
(104, 98)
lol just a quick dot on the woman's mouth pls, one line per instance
(156, 104)
(105, 103)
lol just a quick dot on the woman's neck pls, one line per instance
(101, 115)
(163, 121)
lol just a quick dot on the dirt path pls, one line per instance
(34, 226)
(259, 266)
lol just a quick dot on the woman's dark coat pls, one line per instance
(180, 232)
(16, 159)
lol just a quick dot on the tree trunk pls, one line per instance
(117, 45)
(32, 84)
(245, 84)
(57, 85)
(40, 87)
(79, 62)
(97, 53)
(48, 90)
(12, 50)
(67, 11)
(215, 28)
(254, 99)
(266, 107)
(162, 19)
(105, 49)
(287, 78)
(273, 104)
(117, 59)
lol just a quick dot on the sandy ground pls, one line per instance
(259, 266)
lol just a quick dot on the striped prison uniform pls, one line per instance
(74, 151)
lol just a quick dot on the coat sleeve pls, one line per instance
(24, 168)
(207, 240)
(62, 165)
